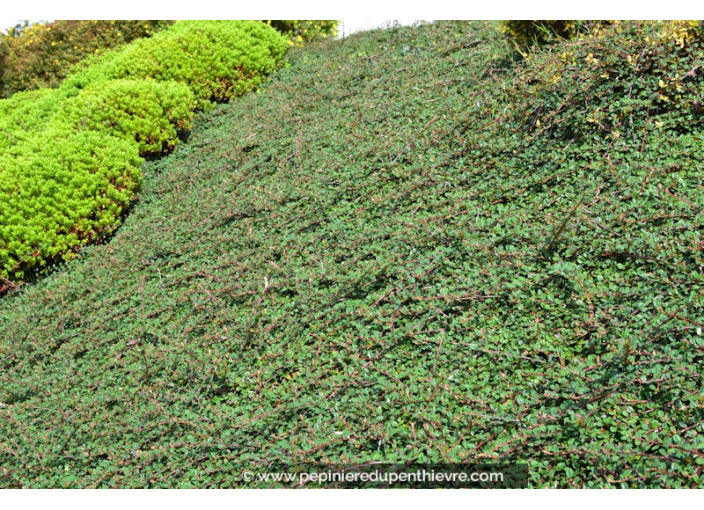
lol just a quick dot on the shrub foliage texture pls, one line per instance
(302, 31)
(413, 245)
(42, 55)
(139, 99)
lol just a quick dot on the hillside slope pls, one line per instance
(355, 264)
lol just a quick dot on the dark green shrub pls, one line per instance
(59, 192)
(148, 112)
(42, 55)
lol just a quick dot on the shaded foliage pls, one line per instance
(41, 55)
(301, 31)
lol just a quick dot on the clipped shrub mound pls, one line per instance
(218, 60)
(133, 100)
(42, 55)
(148, 112)
(26, 112)
(59, 192)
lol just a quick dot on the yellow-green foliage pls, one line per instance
(70, 156)
(218, 60)
(148, 112)
(26, 112)
(301, 31)
(59, 192)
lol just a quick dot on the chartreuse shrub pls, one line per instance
(301, 31)
(69, 156)
(218, 60)
(149, 112)
(59, 192)
(42, 55)
(26, 112)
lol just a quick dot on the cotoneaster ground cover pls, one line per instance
(381, 256)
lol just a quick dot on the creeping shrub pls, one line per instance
(148, 112)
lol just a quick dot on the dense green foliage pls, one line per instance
(142, 96)
(149, 112)
(410, 246)
(58, 192)
(301, 31)
(537, 32)
(42, 55)
(26, 113)
(218, 60)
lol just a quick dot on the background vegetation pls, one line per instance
(411, 245)
(41, 55)
(303, 31)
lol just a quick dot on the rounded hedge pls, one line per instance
(41, 55)
(59, 192)
(148, 112)
(70, 157)
(218, 60)
(26, 112)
